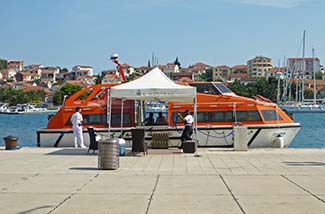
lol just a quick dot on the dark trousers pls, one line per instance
(186, 135)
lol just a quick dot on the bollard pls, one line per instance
(240, 138)
(11, 142)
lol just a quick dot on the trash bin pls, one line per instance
(122, 146)
(10, 142)
(138, 143)
(189, 146)
(108, 154)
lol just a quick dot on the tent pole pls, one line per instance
(109, 112)
(122, 109)
(195, 123)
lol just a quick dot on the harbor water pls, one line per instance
(24, 126)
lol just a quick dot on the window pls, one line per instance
(223, 116)
(116, 119)
(271, 115)
(222, 88)
(101, 119)
(84, 95)
(207, 88)
(248, 116)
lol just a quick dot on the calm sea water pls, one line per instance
(24, 126)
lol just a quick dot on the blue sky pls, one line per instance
(217, 32)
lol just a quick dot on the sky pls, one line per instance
(216, 32)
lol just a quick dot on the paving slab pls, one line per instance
(280, 204)
(104, 204)
(52, 183)
(195, 203)
(121, 184)
(29, 203)
(191, 185)
(313, 183)
(66, 180)
(9, 180)
(257, 184)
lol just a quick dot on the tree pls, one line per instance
(3, 64)
(266, 88)
(309, 94)
(67, 89)
(64, 70)
(176, 62)
(13, 97)
(98, 79)
(319, 75)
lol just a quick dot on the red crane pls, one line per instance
(114, 58)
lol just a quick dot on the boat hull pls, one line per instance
(210, 136)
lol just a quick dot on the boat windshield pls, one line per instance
(211, 88)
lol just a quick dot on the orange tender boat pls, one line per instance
(218, 111)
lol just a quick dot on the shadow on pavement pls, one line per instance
(71, 151)
(34, 209)
(84, 168)
(305, 163)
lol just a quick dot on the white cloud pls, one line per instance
(275, 3)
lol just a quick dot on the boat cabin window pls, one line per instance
(205, 88)
(247, 116)
(101, 119)
(211, 88)
(84, 95)
(100, 95)
(116, 119)
(222, 88)
(271, 115)
(223, 116)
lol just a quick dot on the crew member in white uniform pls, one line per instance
(188, 129)
(76, 120)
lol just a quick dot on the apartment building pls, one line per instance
(303, 67)
(221, 73)
(259, 66)
(239, 69)
(15, 65)
(83, 70)
(49, 73)
(8, 74)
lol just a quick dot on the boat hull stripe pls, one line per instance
(254, 136)
(58, 140)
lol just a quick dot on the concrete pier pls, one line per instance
(57, 180)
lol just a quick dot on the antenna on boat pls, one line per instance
(114, 58)
(303, 68)
(314, 76)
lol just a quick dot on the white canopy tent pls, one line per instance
(155, 85)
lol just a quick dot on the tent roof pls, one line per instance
(155, 85)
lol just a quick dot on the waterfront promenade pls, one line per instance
(58, 180)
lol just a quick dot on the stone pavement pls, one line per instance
(57, 180)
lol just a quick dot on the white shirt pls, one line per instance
(76, 118)
(189, 120)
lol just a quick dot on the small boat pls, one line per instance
(4, 108)
(21, 109)
(303, 108)
(218, 111)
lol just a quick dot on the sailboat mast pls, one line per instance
(314, 76)
(303, 68)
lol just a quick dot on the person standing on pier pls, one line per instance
(76, 120)
(188, 129)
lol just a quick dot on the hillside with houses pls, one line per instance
(14, 74)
